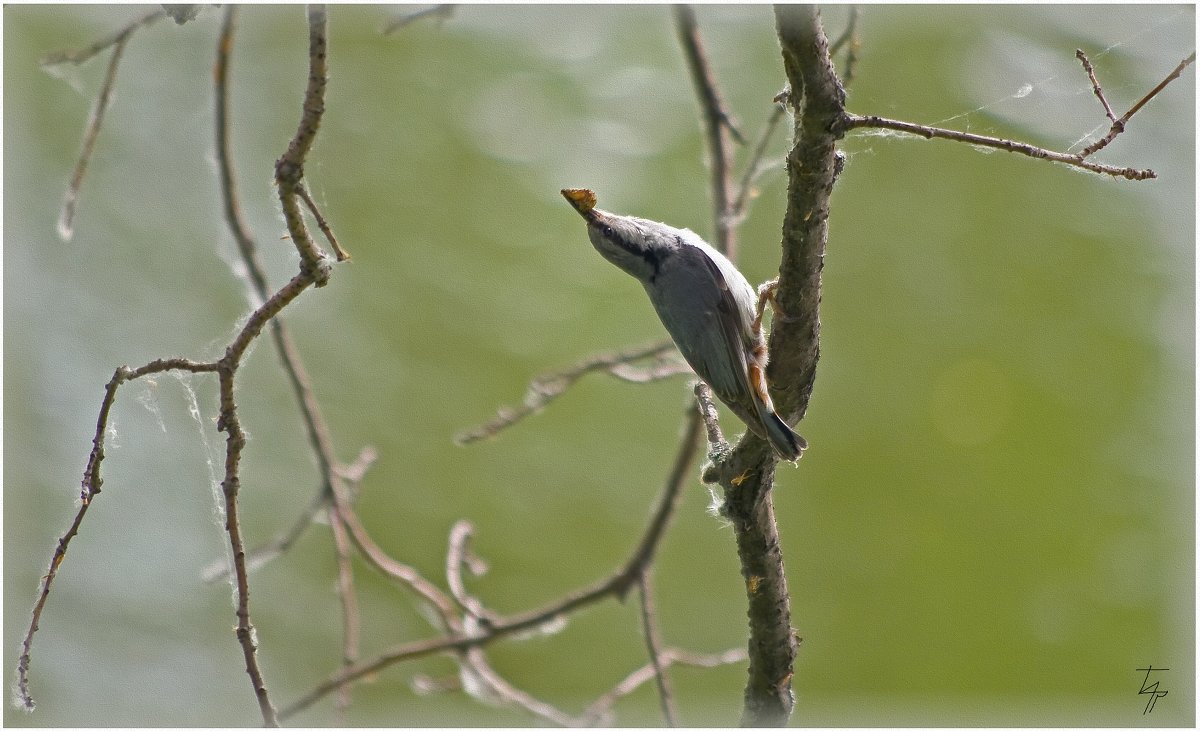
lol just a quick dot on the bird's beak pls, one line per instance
(583, 201)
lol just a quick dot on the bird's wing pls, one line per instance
(695, 304)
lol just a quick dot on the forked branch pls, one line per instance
(1079, 160)
(314, 270)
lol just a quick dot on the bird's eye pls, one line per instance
(607, 231)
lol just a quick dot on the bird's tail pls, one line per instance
(787, 444)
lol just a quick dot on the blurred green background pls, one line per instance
(994, 524)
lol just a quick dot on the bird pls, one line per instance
(708, 307)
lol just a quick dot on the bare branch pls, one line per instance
(1175, 74)
(596, 713)
(654, 650)
(288, 353)
(768, 699)
(1091, 72)
(350, 615)
(456, 558)
(258, 557)
(354, 472)
(289, 169)
(434, 645)
(120, 36)
(1118, 125)
(747, 474)
(689, 444)
(544, 389)
(754, 166)
(849, 39)
(1079, 160)
(66, 218)
(616, 584)
(717, 129)
(854, 121)
(235, 442)
(90, 488)
(708, 413)
(342, 254)
(477, 664)
(228, 184)
(374, 555)
(440, 12)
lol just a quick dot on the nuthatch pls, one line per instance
(708, 307)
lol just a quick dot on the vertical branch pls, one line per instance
(228, 183)
(66, 219)
(234, 443)
(748, 474)
(643, 555)
(817, 103)
(349, 600)
(314, 269)
(654, 650)
(289, 169)
(717, 129)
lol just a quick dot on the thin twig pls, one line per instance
(293, 366)
(119, 36)
(457, 557)
(1091, 72)
(66, 219)
(544, 389)
(1175, 74)
(707, 411)
(753, 165)
(434, 645)
(716, 126)
(849, 39)
(351, 625)
(90, 488)
(226, 177)
(616, 584)
(342, 254)
(118, 39)
(354, 472)
(289, 169)
(230, 423)
(259, 556)
(599, 709)
(441, 12)
(654, 650)
(476, 663)
(288, 353)
(1118, 125)
(313, 271)
(400, 572)
(226, 368)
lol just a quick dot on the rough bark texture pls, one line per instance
(817, 102)
(747, 473)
